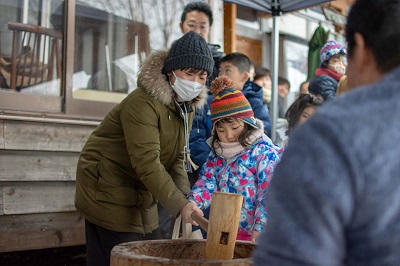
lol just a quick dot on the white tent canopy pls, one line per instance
(276, 8)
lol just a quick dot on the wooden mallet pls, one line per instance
(222, 226)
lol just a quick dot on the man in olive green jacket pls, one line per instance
(136, 157)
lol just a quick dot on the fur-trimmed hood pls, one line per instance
(157, 85)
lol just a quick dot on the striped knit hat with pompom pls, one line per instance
(329, 50)
(229, 102)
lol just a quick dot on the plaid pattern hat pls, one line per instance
(189, 51)
(330, 49)
(229, 102)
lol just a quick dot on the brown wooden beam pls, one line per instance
(230, 11)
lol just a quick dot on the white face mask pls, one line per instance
(186, 90)
(338, 68)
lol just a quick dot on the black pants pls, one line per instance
(100, 242)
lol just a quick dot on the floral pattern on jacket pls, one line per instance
(248, 173)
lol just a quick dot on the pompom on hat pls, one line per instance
(229, 102)
(189, 51)
(330, 49)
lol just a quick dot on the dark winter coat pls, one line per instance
(323, 85)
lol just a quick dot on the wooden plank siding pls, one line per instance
(37, 165)
(1, 134)
(37, 231)
(21, 135)
(37, 184)
(38, 197)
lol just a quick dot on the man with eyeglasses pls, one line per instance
(197, 16)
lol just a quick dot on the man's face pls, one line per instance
(198, 22)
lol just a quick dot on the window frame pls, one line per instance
(64, 105)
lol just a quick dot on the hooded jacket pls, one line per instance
(248, 173)
(135, 158)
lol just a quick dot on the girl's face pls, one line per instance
(229, 131)
(307, 112)
(338, 64)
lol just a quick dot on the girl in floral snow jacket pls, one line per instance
(242, 159)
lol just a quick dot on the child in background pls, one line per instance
(333, 66)
(263, 79)
(242, 158)
(300, 110)
(283, 91)
(236, 66)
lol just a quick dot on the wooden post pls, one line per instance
(223, 225)
(230, 13)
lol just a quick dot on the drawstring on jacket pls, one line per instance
(186, 150)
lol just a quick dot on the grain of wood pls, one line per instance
(38, 165)
(22, 135)
(36, 231)
(38, 197)
(223, 225)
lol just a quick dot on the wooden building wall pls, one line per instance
(37, 184)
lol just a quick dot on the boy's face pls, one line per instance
(228, 69)
(198, 22)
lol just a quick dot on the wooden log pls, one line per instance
(38, 231)
(223, 225)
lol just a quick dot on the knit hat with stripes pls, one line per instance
(330, 49)
(229, 102)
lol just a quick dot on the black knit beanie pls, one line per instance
(189, 51)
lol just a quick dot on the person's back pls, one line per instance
(344, 204)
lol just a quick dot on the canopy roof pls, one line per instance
(282, 6)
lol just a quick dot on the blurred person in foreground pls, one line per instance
(334, 198)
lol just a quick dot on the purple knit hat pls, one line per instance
(330, 49)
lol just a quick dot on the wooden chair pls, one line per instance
(35, 55)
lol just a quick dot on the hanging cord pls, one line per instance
(186, 150)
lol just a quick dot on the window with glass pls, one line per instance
(31, 54)
(41, 72)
